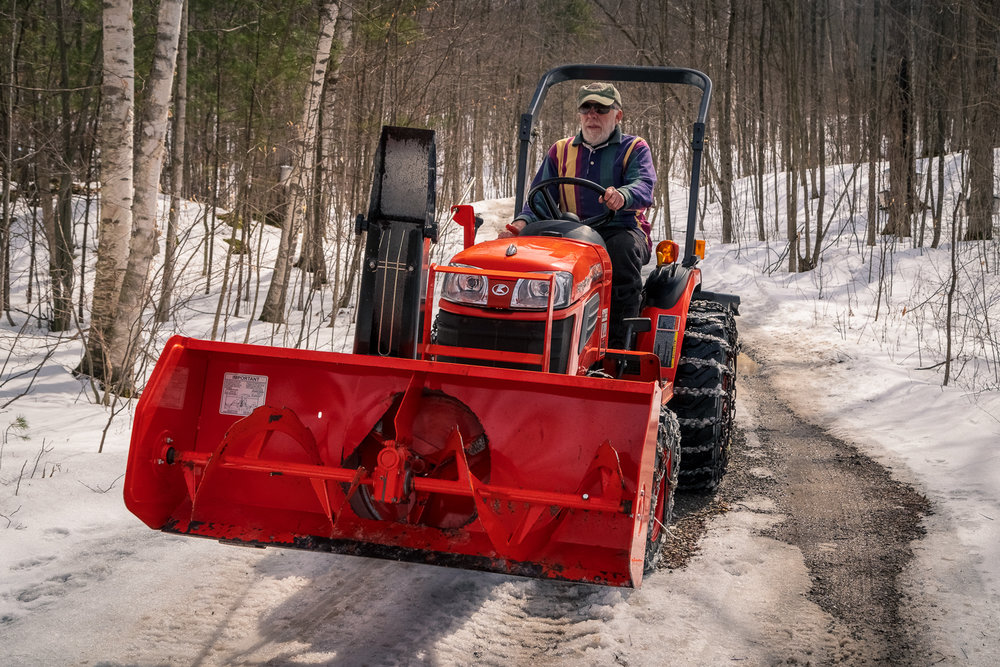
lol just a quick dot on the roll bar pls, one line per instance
(664, 75)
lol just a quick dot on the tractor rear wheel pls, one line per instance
(665, 470)
(705, 394)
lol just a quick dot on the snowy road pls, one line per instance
(768, 583)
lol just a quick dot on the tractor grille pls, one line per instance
(591, 315)
(506, 335)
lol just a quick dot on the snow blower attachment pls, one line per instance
(402, 459)
(499, 434)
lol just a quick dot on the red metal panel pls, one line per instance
(549, 504)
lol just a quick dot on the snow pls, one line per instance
(84, 581)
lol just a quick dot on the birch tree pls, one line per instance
(273, 309)
(176, 172)
(134, 294)
(312, 258)
(117, 119)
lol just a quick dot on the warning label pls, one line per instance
(242, 393)
(176, 389)
(665, 342)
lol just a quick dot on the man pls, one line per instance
(621, 163)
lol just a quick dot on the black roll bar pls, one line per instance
(643, 74)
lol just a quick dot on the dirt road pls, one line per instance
(851, 521)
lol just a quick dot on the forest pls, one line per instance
(268, 113)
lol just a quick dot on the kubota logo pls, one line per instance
(500, 289)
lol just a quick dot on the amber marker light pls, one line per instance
(666, 252)
(699, 248)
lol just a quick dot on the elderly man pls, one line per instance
(623, 165)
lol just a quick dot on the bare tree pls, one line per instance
(313, 259)
(127, 326)
(59, 227)
(273, 309)
(726, 130)
(873, 125)
(176, 171)
(982, 138)
(901, 144)
(8, 169)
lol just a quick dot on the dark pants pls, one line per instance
(629, 252)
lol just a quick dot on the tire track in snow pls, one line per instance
(534, 622)
(355, 611)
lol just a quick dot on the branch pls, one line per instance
(32, 89)
(97, 489)
(930, 368)
(9, 520)
(613, 17)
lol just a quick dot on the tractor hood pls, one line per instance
(586, 262)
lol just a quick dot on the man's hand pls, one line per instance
(508, 233)
(612, 198)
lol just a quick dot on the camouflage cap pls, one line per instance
(602, 93)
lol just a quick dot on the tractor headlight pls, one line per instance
(464, 288)
(530, 293)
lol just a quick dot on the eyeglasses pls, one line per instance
(599, 108)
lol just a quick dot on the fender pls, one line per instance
(667, 285)
(666, 296)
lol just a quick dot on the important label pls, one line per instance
(242, 393)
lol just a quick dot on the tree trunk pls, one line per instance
(726, 131)
(116, 141)
(792, 127)
(939, 202)
(43, 180)
(312, 260)
(901, 151)
(61, 241)
(761, 133)
(134, 295)
(8, 166)
(819, 117)
(874, 133)
(273, 309)
(983, 131)
(176, 171)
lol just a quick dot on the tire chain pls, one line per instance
(705, 363)
(699, 391)
(667, 432)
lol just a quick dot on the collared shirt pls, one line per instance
(623, 161)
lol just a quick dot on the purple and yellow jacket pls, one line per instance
(623, 161)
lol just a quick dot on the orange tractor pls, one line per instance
(498, 434)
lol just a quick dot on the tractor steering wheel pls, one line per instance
(553, 211)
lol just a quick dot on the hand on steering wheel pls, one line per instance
(551, 210)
